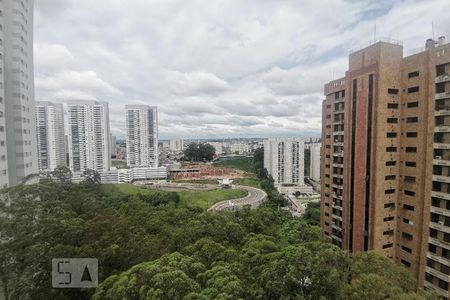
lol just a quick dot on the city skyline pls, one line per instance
(202, 72)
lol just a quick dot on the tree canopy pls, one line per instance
(149, 247)
(199, 152)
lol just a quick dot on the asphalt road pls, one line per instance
(254, 198)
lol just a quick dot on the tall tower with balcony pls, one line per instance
(18, 157)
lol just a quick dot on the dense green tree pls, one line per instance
(91, 177)
(199, 152)
(150, 248)
(312, 213)
(61, 175)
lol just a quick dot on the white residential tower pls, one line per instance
(88, 135)
(51, 148)
(142, 135)
(284, 160)
(18, 157)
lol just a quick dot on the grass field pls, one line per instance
(118, 163)
(248, 181)
(188, 199)
(244, 164)
(206, 199)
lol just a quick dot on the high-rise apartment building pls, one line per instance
(51, 148)
(113, 147)
(18, 157)
(284, 160)
(88, 135)
(386, 158)
(176, 145)
(314, 149)
(142, 135)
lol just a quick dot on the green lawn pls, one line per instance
(118, 163)
(248, 181)
(188, 199)
(206, 199)
(244, 164)
(125, 188)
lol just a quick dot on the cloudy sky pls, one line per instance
(217, 68)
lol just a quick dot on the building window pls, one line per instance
(391, 149)
(389, 205)
(392, 120)
(387, 219)
(409, 193)
(391, 134)
(413, 104)
(389, 191)
(411, 149)
(432, 248)
(391, 163)
(393, 91)
(389, 177)
(413, 89)
(433, 233)
(411, 134)
(405, 263)
(408, 207)
(410, 179)
(410, 163)
(386, 246)
(392, 105)
(406, 249)
(389, 232)
(412, 120)
(413, 74)
(407, 236)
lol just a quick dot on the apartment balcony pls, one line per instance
(435, 288)
(338, 176)
(341, 144)
(338, 154)
(338, 133)
(336, 207)
(337, 165)
(444, 95)
(336, 238)
(336, 227)
(441, 178)
(339, 100)
(443, 110)
(439, 243)
(440, 195)
(441, 162)
(442, 128)
(336, 217)
(338, 122)
(337, 196)
(443, 146)
(339, 111)
(440, 211)
(436, 273)
(338, 186)
(439, 226)
(443, 78)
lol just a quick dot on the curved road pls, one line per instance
(254, 198)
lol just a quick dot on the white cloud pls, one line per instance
(225, 67)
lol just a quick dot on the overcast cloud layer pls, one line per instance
(215, 68)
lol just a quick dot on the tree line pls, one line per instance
(151, 248)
